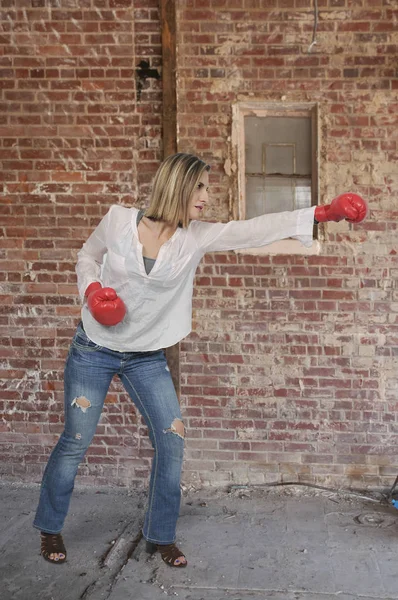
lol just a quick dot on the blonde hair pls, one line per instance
(172, 188)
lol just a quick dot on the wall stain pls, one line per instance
(144, 72)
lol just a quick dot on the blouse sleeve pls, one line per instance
(90, 257)
(254, 233)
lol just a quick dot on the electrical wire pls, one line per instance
(313, 43)
(355, 493)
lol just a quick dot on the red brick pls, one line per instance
(277, 370)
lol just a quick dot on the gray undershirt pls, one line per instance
(148, 262)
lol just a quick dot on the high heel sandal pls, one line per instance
(52, 543)
(169, 553)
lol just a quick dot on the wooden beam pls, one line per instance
(169, 66)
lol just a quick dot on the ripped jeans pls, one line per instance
(145, 376)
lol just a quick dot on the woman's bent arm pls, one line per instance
(90, 257)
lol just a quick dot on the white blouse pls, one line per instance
(159, 305)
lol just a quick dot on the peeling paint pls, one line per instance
(233, 44)
(230, 83)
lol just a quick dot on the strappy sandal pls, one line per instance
(169, 553)
(52, 543)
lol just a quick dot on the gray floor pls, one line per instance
(285, 543)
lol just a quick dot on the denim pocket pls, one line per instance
(82, 342)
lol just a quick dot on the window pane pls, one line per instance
(268, 195)
(276, 194)
(278, 130)
(255, 197)
(303, 193)
(277, 149)
(279, 158)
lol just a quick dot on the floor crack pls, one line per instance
(113, 562)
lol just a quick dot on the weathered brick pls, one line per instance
(290, 381)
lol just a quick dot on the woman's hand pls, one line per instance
(348, 206)
(104, 304)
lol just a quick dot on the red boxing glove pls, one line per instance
(104, 304)
(347, 206)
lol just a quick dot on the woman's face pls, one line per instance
(199, 198)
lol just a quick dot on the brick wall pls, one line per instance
(291, 370)
(80, 130)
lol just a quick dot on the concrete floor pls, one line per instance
(283, 543)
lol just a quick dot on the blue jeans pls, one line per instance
(88, 373)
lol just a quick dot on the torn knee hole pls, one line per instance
(82, 403)
(177, 427)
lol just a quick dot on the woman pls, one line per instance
(136, 303)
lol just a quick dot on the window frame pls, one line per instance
(272, 109)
